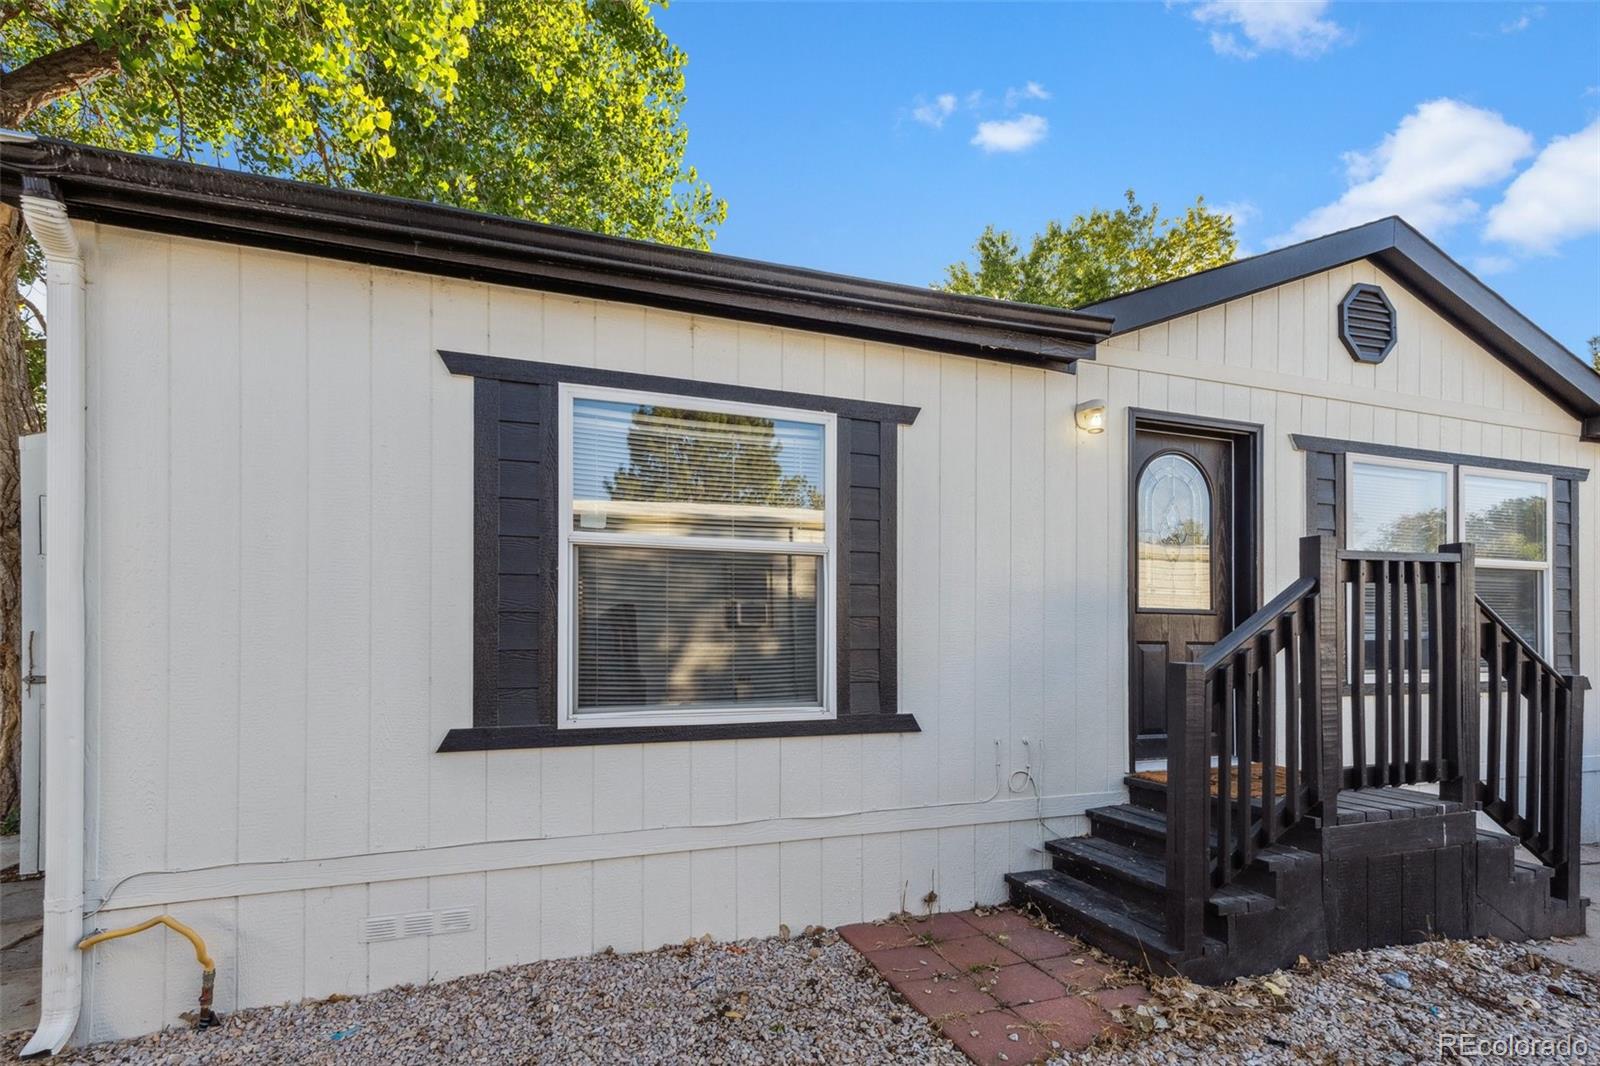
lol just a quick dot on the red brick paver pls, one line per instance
(1003, 989)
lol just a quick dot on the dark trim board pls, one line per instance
(536, 373)
(1306, 443)
(1415, 262)
(517, 539)
(506, 737)
(185, 199)
(1248, 441)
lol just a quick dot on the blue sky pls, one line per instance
(879, 139)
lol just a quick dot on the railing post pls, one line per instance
(1569, 787)
(1461, 658)
(1319, 558)
(1188, 780)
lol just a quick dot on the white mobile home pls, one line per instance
(431, 592)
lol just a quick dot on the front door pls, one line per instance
(1182, 569)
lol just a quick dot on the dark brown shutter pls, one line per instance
(1564, 574)
(1323, 493)
(514, 645)
(866, 567)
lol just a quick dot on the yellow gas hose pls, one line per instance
(208, 967)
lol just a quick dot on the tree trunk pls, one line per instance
(18, 416)
(23, 91)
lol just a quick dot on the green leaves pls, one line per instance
(1095, 256)
(563, 111)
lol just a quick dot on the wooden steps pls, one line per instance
(1108, 863)
(1110, 886)
(1102, 917)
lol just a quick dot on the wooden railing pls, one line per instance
(1404, 687)
(1364, 673)
(1254, 699)
(1532, 743)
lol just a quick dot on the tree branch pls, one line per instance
(48, 78)
(33, 309)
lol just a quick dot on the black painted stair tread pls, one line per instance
(1131, 818)
(1389, 804)
(1128, 929)
(1149, 873)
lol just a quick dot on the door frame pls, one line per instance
(1246, 491)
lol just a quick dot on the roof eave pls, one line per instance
(185, 199)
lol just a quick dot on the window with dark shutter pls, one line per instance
(1522, 516)
(707, 560)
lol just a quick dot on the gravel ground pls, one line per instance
(1344, 1010)
(813, 999)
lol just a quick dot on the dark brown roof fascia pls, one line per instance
(168, 196)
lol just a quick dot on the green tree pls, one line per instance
(564, 111)
(1095, 256)
(670, 458)
(1594, 353)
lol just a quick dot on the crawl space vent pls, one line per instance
(1366, 323)
(380, 927)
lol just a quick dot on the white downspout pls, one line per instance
(64, 622)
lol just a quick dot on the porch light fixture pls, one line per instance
(1091, 416)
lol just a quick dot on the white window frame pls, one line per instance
(1447, 469)
(567, 714)
(1547, 590)
(1455, 523)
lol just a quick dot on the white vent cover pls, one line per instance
(380, 927)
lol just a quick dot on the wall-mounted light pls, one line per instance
(1091, 416)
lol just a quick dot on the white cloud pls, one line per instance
(1031, 91)
(1423, 170)
(1012, 134)
(1523, 21)
(1243, 212)
(933, 113)
(1485, 265)
(1555, 199)
(1293, 26)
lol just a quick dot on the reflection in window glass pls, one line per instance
(1174, 536)
(647, 468)
(1505, 516)
(1397, 508)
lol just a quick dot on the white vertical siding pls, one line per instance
(281, 567)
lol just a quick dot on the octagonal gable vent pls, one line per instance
(1366, 323)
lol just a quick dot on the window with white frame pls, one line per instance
(696, 570)
(1403, 505)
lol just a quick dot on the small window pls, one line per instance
(1174, 536)
(1506, 516)
(696, 574)
(1398, 507)
(1404, 506)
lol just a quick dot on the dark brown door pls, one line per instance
(1182, 567)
